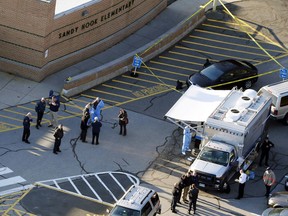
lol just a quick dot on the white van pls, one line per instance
(279, 94)
(138, 201)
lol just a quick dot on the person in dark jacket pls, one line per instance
(265, 148)
(84, 127)
(40, 109)
(54, 105)
(187, 181)
(96, 125)
(58, 134)
(193, 196)
(175, 197)
(26, 127)
(123, 121)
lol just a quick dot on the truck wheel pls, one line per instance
(285, 119)
(226, 187)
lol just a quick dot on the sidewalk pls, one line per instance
(15, 90)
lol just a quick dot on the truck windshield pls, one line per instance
(120, 211)
(214, 156)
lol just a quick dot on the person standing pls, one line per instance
(193, 196)
(58, 134)
(123, 121)
(241, 180)
(187, 182)
(84, 123)
(40, 109)
(96, 125)
(265, 148)
(187, 135)
(269, 179)
(175, 197)
(54, 105)
(26, 127)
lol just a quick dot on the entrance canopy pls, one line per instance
(195, 105)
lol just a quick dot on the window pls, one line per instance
(284, 101)
(146, 209)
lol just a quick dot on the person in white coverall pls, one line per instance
(187, 135)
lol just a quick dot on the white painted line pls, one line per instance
(12, 180)
(74, 186)
(106, 187)
(91, 188)
(14, 190)
(5, 170)
(117, 182)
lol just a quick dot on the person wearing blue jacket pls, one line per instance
(26, 127)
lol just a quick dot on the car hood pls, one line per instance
(208, 167)
(200, 80)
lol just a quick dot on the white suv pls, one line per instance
(137, 201)
(279, 94)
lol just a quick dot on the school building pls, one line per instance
(41, 37)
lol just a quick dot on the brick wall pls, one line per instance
(29, 30)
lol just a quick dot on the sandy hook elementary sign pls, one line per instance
(97, 20)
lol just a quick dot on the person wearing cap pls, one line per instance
(265, 148)
(269, 179)
(40, 109)
(96, 125)
(58, 134)
(26, 127)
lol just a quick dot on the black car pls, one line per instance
(229, 72)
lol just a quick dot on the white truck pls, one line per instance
(232, 135)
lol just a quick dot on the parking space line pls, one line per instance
(187, 55)
(23, 107)
(144, 80)
(223, 48)
(211, 53)
(11, 181)
(74, 186)
(173, 66)
(110, 93)
(160, 77)
(93, 97)
(114, 87)
(118, 183)
(179, 60)
(228, 36)
(5, 170)
(104, 185)
(234, 44)
(167, 71)
(8, 117)
(128, 83)
(91, 188)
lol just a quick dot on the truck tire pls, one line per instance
(285, 119)
(225, 187)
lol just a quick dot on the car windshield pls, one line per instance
(214, 156)
(212, 72)
(122, 211)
